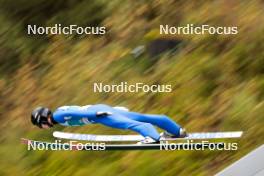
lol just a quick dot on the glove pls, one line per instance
(102, 113)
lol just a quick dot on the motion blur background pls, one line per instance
(217, 80)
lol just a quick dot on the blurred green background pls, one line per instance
(217, 80)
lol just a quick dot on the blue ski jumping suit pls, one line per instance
(120, 118)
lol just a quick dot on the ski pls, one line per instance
(42, 145)
(115, 138)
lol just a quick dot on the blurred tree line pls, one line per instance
(15, 16)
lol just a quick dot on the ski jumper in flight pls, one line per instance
(114, 117)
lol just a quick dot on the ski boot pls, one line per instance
(165, 134)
